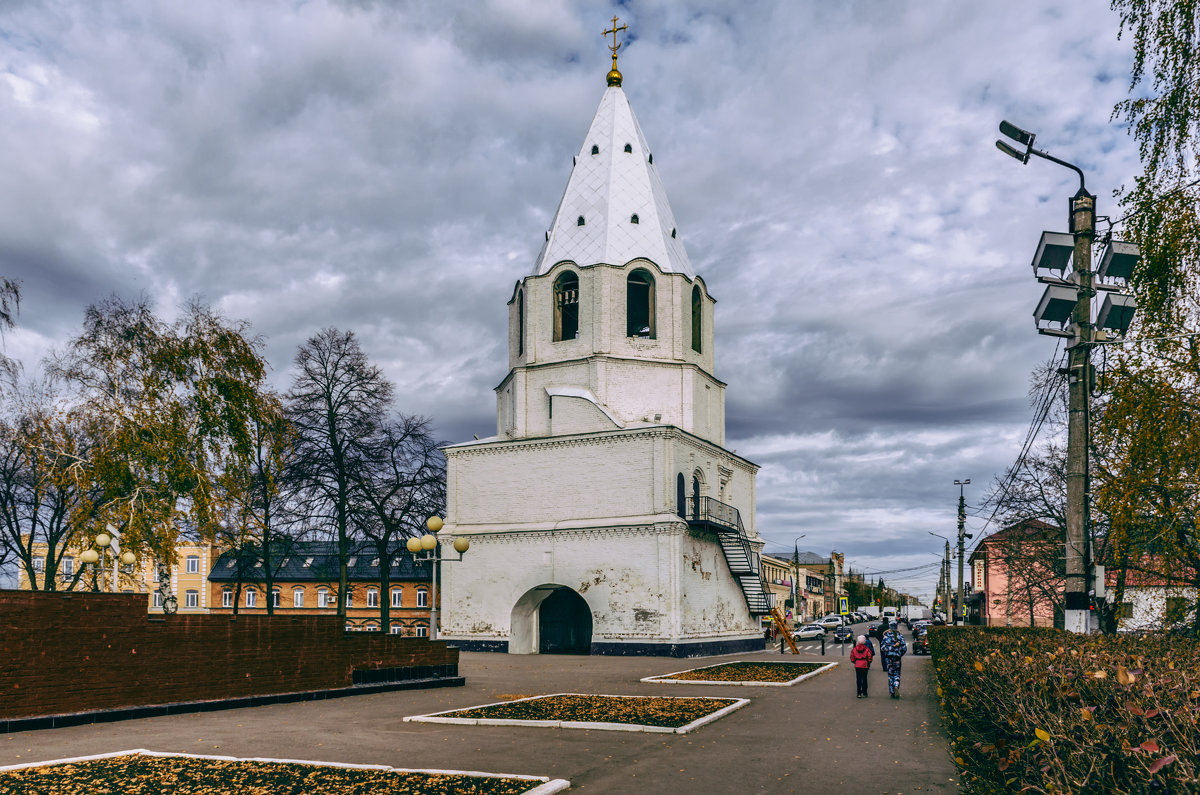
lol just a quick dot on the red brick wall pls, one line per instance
(63, 653)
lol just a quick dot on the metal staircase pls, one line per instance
(726, 521)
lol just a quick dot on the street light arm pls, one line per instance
(1053, 159)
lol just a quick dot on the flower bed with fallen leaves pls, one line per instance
(746, 672)
(665, 711)
(178, 775)
(1041, 710)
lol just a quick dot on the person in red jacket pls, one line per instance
(861, 656)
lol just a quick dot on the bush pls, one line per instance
(1041, 710)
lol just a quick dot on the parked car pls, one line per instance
(920, 644)
(843, 635)
(829, 622)
(809, 632)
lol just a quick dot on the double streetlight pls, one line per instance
(428, 545)
(944, 579)
(1067, 301)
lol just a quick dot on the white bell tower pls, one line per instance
(606, 516)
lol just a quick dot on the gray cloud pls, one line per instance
(391, 169)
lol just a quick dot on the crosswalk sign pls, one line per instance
(844, 605)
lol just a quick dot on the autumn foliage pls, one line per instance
(1040, 710)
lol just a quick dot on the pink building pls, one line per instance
(1017, 574)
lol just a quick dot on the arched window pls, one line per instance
(639, 305)
(697, 321)
(681, 495)
(520, 322)
(595, 149)
(633, 219)
(629, 148)
(696, 495)
(566, 306)
(579, 221)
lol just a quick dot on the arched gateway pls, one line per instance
(551, 619)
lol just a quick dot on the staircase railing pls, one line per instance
(744, 562)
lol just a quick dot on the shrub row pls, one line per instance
(1041, 710)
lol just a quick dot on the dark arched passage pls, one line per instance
(564, 624)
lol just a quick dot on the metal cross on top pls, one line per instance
(614, 77)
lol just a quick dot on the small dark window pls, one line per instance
(629, 148)
(579, 221)
(651, 159)
(520, 322)
(697, 306)
(672, 233)
(633, 219)
(595, 149)
(566, 307)
(639, 305)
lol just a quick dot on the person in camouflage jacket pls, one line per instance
(891, 648)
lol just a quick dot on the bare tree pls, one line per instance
(41, 502)
(337, 406)
(403, 485)
(10, 302)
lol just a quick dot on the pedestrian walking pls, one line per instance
(861, 656)
(891, 648)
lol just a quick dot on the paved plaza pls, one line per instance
(812, 737)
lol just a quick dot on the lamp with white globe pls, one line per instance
(426, 548)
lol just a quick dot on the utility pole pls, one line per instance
(946, 607)
(1116, 314)
(962, 519)
(1079, 380)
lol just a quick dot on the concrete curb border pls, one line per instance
(546, 786)
(441, 717)
(662, 678)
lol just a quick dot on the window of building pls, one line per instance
(520, 322)
(422, 631)
(349, 626)
(697, 320)
(158, 598)
(397, 629)
(191, 598)
(307, 562)
(67, 565)
(374, 563)
(396, 597)
(352, 561)
(372, 597)
(298, 597)
(227, 597)
(323, 598)
(158, 571)
(349, 600)
(370, 628)
(639, 304)
(580, 222)
(566, 306)
(274, 597)
(229, 564)
(629, 148)
(633, 219)
(39, 564)
(422, 597)
(251, 598)
(595, 149)
(193, 564)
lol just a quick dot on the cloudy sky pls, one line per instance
(391, 168)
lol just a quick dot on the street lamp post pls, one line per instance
(796, 577)
(428, 544)
(1069, 301)
(944, 579)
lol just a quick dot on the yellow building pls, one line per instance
(186, 579)
(777, 576)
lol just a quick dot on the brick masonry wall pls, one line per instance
(75, 652)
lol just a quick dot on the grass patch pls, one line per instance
(577, 710)
(768, 672)
(141, 774)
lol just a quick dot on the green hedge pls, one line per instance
(1041, 710)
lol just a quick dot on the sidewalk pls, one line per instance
(813, 737)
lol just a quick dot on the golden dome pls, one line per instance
(614, 77)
